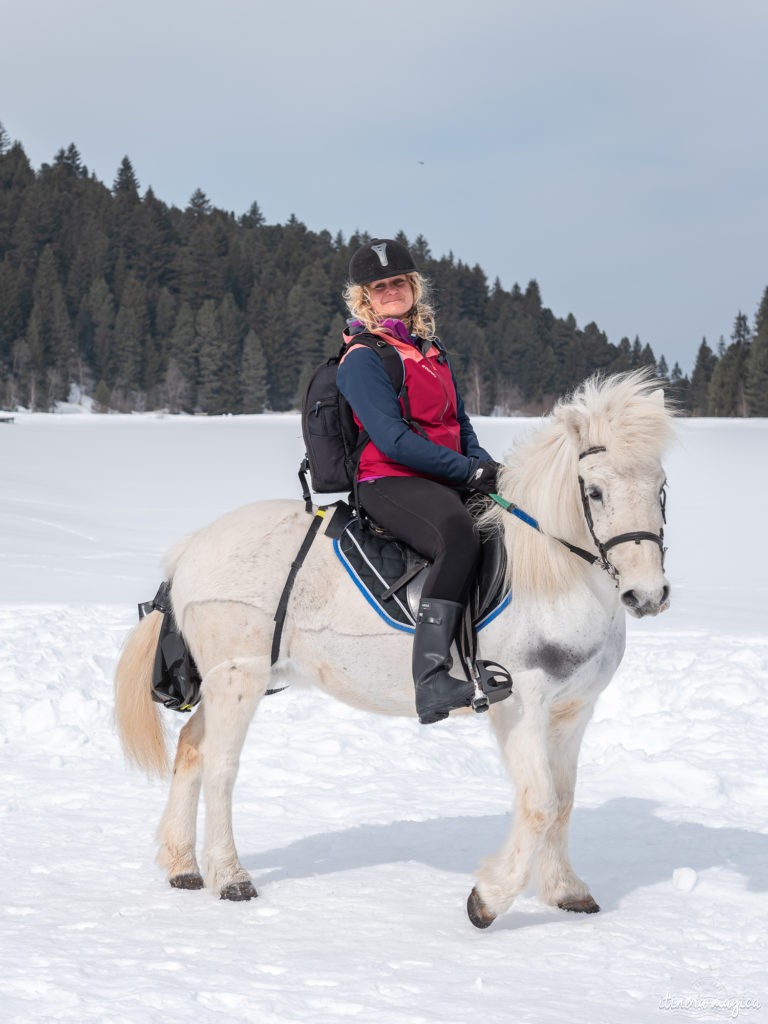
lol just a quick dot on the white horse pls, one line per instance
(591, 475)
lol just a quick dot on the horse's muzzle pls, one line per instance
(641, 603)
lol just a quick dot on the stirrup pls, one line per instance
(492, 683)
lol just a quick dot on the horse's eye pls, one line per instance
(594, 493)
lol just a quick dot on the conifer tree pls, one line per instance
(231, 332)
(126, 182)
(727, 396)
(175, 390)
(679, 387)
(647, 358)
(89, 259)
(636, 358)
(164, 318)
(218, 389)
(50, 336)
(598, 354)
(130, 336)
(308, 307)
(622, 361)
(98, 329)
(209, 362)
(69, 161)
(101, 397)
(183, 352)
(698, 393)
(253, 375)
(199, 204)
(532, 298)
(741, 334)
(126, 225)
(154, 243)
(16, 176)
(333, 339)
(254, 218)
(726, 389)
(200, 263)
(756, 384)
(11, 321)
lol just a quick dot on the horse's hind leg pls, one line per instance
(178, 827)
(231, 691)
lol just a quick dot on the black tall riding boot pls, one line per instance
(437, 693)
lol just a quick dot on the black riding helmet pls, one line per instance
(378, 259)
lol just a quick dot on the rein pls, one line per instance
(603, 547)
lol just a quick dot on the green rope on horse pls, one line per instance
(515, 510)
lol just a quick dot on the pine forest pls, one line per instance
(117, 296)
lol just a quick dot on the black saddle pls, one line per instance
(391, 575)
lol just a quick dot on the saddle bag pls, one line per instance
(175, 676)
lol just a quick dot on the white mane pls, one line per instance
(627, 415)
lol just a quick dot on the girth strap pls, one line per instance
(339, 518)
(282, 604)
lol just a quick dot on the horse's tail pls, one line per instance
(139, 724)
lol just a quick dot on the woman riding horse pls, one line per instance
(422, 456)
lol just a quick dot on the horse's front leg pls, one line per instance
(504, 875)
(558, 883)
(231, 692)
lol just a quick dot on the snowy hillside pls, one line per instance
(362, 833)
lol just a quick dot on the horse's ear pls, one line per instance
(573, 421)
(658, 396)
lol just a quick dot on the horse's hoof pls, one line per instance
(238, 891)
(584, 905)
(191, 880)
(478, 913)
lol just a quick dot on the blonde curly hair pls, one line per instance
(421, 319)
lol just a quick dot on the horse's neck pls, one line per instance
(538, 562)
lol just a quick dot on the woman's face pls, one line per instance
(391, 297)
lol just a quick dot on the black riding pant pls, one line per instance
(431, 518)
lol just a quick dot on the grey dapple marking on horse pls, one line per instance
(562, 638)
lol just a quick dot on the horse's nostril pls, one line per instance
(629, 598)
(665, 594)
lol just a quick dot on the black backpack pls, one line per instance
(333, 442)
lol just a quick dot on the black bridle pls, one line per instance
(636, 536)
(603, 547)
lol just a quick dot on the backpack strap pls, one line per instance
(393, 364)
(388, 354)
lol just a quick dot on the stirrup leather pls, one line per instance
(492, 682)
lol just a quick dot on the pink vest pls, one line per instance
(433, 405)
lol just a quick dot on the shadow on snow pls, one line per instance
(618, 848)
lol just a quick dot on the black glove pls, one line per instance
(483, 479)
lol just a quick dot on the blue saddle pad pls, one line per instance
(390, 575)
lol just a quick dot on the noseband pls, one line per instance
(604, 547)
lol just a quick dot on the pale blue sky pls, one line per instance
(615, 151)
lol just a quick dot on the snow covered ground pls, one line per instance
(362, 833)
